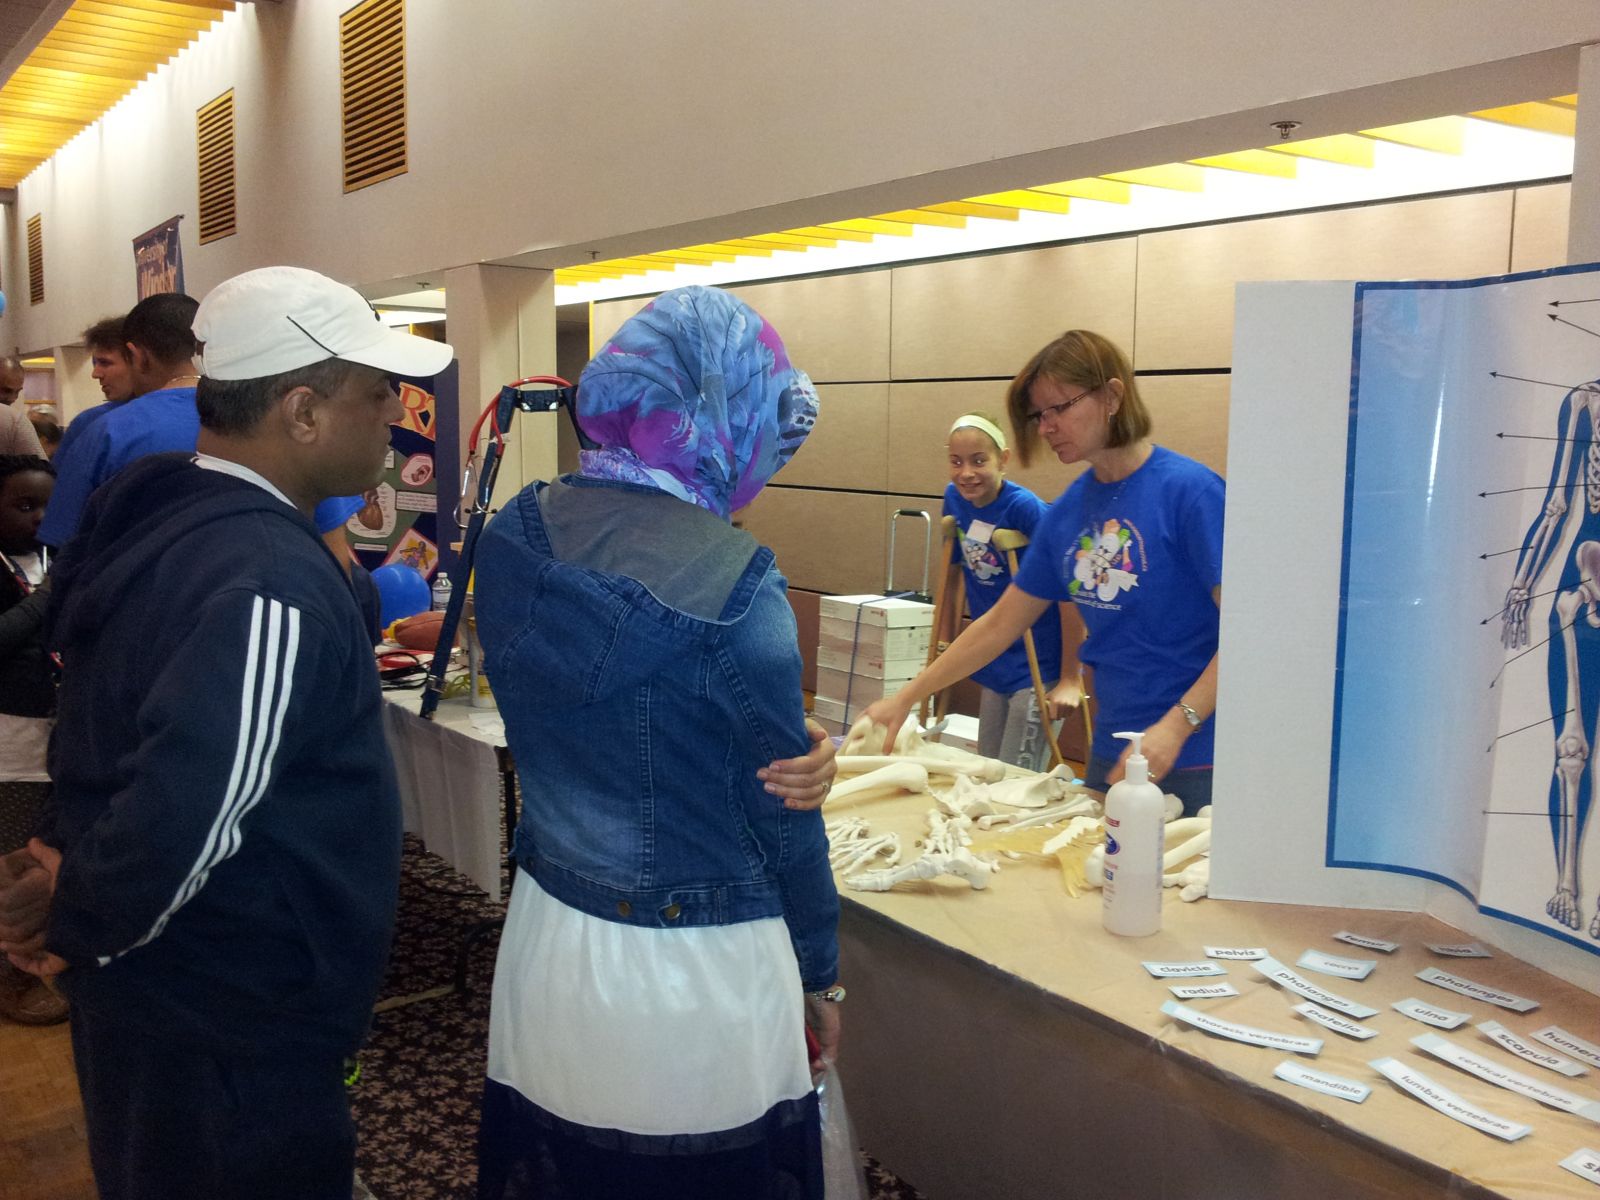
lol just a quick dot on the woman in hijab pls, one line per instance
(671, 931)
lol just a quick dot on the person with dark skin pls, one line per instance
(11, 380)
(17, 435)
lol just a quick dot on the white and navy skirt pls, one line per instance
(631, 1062)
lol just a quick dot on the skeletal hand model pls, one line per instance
(852, 844)
(1574, 643)
(946, 853)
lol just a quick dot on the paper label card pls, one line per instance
(1334, 964)
(1334, 1022)
(1513, 1081)
(1477, 991)
(1418, 1085)
(1441, 1018)
(1507, 1040)
(1467, 950)
(1301, 986)
(1203, 991)
(1583, 1163)
(1554, 1035)
(1329, 1085)
(980, 531)
(1241, 1033)
(1177, 970)
(1366, 943)
(1241, 953)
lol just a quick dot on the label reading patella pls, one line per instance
(1284, 977)
(1334, 1022)
(1507, 1040)
(1241, 1033)
(1242, 953)
(1554, 1035)
(1202, 991)
(1333, 964)
(1465, 950)
(1441, 1018)
(1477, 991)
(1366, 943)
(1443, 1100)
(1328, 1085)
(1583, 1163)
(1513, 1081)
(1176, 970)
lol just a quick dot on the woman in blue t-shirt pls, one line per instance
(1136, 544)
(982, 500)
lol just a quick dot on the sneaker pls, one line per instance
(29, 1000)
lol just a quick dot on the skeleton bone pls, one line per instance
(986, 769)
(865, 738)
(1082, 805)
(857, 854)
(960, 862)
(1194, 881)
(901, 776)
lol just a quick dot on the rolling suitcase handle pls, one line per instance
(922, 596)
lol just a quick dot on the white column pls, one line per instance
(1583, 220)
(76, 388)
(502, 323)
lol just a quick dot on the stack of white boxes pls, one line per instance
(868, 648)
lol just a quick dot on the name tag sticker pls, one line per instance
(1466, 950)
(1585, 1164)
(1477, 991)
(1333, 964)
(1366, 943)
(1554, 1035)
(980, 531)
(1513, 1081)
(1177, 970)
(1439, 1018)
(1203, 991)
(1301, 986)
(1329, 1085)
(1241, 1033)
(1334, 1022)
(1420, 1087)
(1241, 953)
(1509, 1041)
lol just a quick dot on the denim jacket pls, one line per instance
(644, 658)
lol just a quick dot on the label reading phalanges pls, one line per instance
(1414, 1083)
(1507, 1040)
(1464, 950)
(1334, 1022)
(1284, 977)
(1513, 1081)
(1441, 1018)
(1366, 943)
(1583, 1163)
(1477, 991)
(1242, 1033)
(1333, 964)
(1329, 1085)
(1176, 970)
(1241, 953)
(1554, 1035)
(1203, 991)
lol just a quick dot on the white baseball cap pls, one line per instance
(276, 319)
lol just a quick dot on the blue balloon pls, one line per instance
(2, 304)
(402, 592)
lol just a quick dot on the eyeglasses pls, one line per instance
(1057, 410)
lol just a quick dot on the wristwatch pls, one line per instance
(1195, 719)
(830, 995)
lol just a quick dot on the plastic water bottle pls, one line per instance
(441, 592)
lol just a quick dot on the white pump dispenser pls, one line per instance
(1135, 815)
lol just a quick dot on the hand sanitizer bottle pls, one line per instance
(1135, 844)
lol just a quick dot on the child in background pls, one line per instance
(27, 698)
(981, 500)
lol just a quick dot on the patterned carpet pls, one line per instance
(416, 1102)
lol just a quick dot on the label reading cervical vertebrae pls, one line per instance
(1513, 1081)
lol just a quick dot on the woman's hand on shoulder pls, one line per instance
(804, 782)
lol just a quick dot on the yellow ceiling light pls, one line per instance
(97, 53)
(1281, 160)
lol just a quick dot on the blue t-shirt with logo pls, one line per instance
(1140, 558)
(988, 576)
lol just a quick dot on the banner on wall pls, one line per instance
(158, 259)
(1467, 694)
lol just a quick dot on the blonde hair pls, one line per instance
(1081, 359)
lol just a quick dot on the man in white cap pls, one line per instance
(222, 858)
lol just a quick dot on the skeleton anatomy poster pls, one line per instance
(1467, 701)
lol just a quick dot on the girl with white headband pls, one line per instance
(982, 500)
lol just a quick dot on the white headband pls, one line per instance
(973, 421)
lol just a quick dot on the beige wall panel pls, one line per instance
(849, 446)
(988, 315)
(830, 542)
(835, 327)
(807, 618)
(1539, 227)
(920, 415)
(1187, 276)
(606, 317)
(1190, 415)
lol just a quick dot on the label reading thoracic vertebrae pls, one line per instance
(1242, 1033)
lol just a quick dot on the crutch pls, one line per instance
(1008, 542)
(949, 598)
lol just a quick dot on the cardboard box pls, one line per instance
(908, 642)
(864, 660)
(875, 611)
(861, 690)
